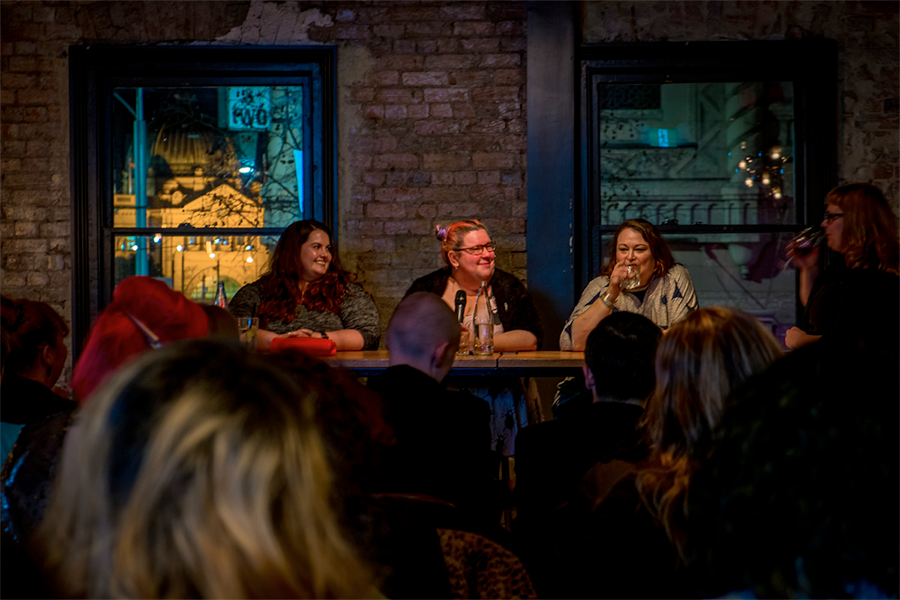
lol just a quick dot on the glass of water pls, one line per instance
(248, 328)
(632, 278)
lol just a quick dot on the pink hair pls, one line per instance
(115, 339)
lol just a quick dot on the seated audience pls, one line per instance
(624, 535)
(143, 314)
(443, 437)
(552, 457)
(799, 496)
(35, 336)
(198, 472)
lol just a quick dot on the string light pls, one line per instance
(766, 169)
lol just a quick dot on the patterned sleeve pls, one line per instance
(683, 299)
(358, 311)
(588, 297)
(245, 303)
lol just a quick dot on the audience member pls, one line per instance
(35, 336)
(443, 437)
(198, 471)
(552, 457)
(624, 535)
(799, 496)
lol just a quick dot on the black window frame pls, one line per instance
(96, 70)
(811, 66)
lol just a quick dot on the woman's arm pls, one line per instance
(588, 298)
(515, 341)
(682, 299)
(797, 338)
(361, 321)
(585, 323)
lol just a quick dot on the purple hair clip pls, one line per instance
(441, 232)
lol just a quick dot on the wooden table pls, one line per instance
(535, 364)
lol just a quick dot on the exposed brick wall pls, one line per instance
(431, 110)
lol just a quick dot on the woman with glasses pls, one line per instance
(862, 228)
(662, 290)
(468, 255)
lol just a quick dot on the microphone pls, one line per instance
(460, 302)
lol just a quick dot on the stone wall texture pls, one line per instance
(431, 110)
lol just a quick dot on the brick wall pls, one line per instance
(431, 110)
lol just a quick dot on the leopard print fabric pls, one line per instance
(480, 568)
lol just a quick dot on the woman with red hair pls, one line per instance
(861, 226)
(306, 293)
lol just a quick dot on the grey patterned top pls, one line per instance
(668, 300)
(358, 311)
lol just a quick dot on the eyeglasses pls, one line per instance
(477, 250)
(831, 216)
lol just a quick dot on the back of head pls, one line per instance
(116, 338)
(870, 233)
(699, 362)
(799, 496)
(619, 352)
(420, 323)
(28, 326)
(198, 471)
(451, 237)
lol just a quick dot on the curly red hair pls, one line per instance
(281, 285)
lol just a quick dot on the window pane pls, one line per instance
(711, 153)
(750, 277)
(209, 156)
(194, 265)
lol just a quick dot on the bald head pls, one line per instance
(421, 326)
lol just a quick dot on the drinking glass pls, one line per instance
(464, 337)
(632, 278)
(248, 328)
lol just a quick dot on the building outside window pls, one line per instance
(190, 162)
(727, 147)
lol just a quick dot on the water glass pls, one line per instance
(464, 337)
(248, 328)
(632, 278)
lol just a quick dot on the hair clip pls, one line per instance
(441, 232)
(149, 337)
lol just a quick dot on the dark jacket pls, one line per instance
(515, 307)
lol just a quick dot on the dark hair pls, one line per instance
(798, 496)
(658, 247)
(619, 352)
(870, 234)
(281, 284)
(29, 326)
(452, 235)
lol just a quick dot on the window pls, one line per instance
(727, 147)
(189, 162)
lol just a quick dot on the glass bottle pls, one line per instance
(483, 322)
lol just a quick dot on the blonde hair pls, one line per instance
(870, 234)
(699, 362)
(451, 237)
(198, 472)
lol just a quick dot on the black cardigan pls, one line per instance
(515, 308)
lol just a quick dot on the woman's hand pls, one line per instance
(804, 262)
(797, 338)
(619, 272)
(303, 333)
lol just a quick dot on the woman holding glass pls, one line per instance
(306, 293)
(859, 225)
(640, 276)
